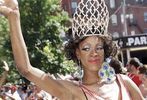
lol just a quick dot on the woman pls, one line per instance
(90, 50)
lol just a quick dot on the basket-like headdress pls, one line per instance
(90, 18)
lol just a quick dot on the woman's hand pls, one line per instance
(7, 6)
(5, 66)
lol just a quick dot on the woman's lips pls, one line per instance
(94, 61)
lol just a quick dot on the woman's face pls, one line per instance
(91, 53)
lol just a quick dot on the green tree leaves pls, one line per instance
(42, 23)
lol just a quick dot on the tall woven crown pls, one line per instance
(90, 18)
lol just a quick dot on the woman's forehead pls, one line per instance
(93, 39)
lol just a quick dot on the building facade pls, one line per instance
(70, 6)
(127, 24)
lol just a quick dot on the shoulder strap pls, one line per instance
(123, 84)
(80, 85)
(84, 93)
(120, 86)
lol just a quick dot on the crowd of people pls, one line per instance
(23, 92)
(91, 47)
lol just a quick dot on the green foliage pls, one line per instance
(42, 23)
(5, 50)
(3, 33)
(3, 37)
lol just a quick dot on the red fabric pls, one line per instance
(135, 78)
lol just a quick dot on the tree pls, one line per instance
(42, 23)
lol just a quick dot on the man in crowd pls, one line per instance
(138, 73)
(133, 66)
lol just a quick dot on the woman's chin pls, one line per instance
(94, 67)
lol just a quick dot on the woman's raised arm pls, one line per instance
(10, 9)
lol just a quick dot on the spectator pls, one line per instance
(143, 78)
(17, 93)
(133, 66)
(37, 93)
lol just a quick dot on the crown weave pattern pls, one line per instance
(90, 18)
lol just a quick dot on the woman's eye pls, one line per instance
(99, 48)
(86, 48)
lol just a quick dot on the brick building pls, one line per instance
(70, 6)
(128, 26)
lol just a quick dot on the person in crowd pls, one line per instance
(143, 74)
(38, 94)
(135, 72)
(7, 93)
(143, 78)
(4, 74)
(133, 66)
(17, 93)
(24, 93)
(90, 46)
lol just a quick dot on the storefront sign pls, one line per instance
(132, 41)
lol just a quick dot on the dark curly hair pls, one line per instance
(110, 47)
(117, 65)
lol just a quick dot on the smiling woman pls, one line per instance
(89, 45)
(91, 52)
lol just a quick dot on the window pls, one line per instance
(140, 1)
(122, 18)
(132, 20)
(145, 17)
(132, 32)
(124, 33)
(114, 19)
(115, 35)
(145, 30)
(73, 6)
(112, 4)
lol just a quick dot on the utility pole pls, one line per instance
(124, 18)
(125, 28)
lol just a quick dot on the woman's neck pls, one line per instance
(90, 78)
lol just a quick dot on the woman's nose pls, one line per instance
(94, 52)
